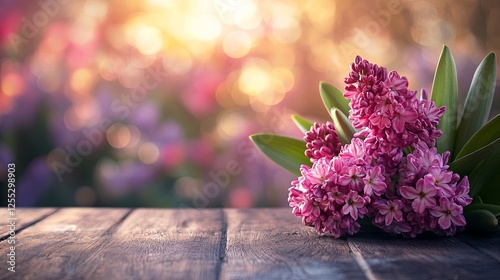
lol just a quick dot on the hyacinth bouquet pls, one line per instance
(406, 162)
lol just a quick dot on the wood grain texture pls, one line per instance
(488, 244)
(428, 257)
(25, 216)
(96, 243)
(56, 247)
(272, 243)
(160, 244)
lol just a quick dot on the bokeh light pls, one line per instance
(118, 135)
(237, 44)
(139, 103)
(148, 153)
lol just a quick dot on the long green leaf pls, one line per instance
(286, 152)
(481, 220)
(478, 102)
(468, 162)
(343, 126)
(444, 93)
(303, 124)
(333, 98)
(486, 178)
(475, 181)
(484, 136)
(495, 209)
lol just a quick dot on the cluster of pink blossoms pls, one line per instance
(403, 193)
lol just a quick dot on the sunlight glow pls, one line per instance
(237, 44)
(204, 27)
(148, 40)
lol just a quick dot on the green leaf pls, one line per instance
(444, 93)
(286, 152)
(333, 98)
(485, 179)
(343, 126)
(303, 124)
(484, 136)
(476, 199)
(479, 100)
(495, 209)
(481, 220)
(467, 163)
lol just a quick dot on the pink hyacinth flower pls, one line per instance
(319, 173)
(441, 180)
(402, 116)
(353, 204)
(311, 207)
(391, 211)
(374, 181)
(422, 195)
(353, 178)
(448, 212)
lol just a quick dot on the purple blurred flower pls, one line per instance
(34, 183)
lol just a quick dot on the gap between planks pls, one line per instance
(108, 234)
(113, 228)
(29, 224)
(222, 244)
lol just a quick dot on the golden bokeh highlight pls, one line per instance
(204, 27)
(254, 81)
(237, 44)
(229, 124)
(135, 136)
(148, 40)
(85, 113)
(148, 153)
(82, 80)
(97, 9)
(12, 84)
(118, 135)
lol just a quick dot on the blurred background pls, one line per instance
(150, 103)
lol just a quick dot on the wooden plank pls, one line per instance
(421, 258)
(272, 243)
(86, 243)
(56, 246)
(488, 244)
(25, 216)
(159, 244)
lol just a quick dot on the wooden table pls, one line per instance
(110, 243)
